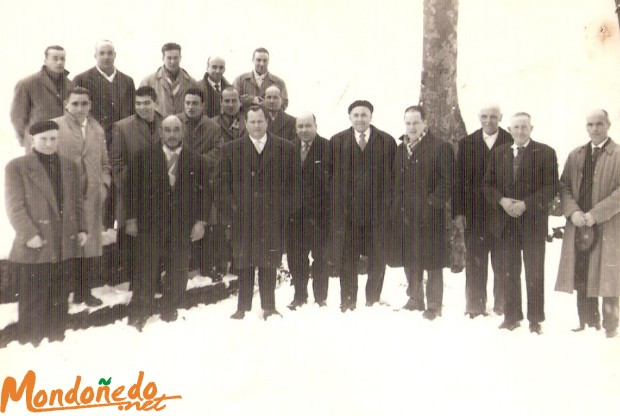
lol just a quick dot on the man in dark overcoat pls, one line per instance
(255, 196)
(309, 224)
(279, 122)
(362, 189)
(168, 188)
(423, 169)
(471, 211)
(520, 182)
(213, 84)
(231, 119)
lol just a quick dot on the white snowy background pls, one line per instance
(548, 58)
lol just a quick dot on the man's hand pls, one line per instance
(460, 222)
(198, 231)
(506, 203)
(578, 218)
(82, 238)
(36, 242)
(589, 219)
(131, 227)
(517, 208)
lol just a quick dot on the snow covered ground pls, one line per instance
(318, 361)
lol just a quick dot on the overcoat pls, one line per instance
(32, 209)
(229, 134)
(255, 196)
(283, 125)
(129, 136)
(111, 103)
(205, 137)
(603, 266)
(423, 187)
(36, 99)
(91, 156)
(383, 148)
(167, 102)
(248, 88)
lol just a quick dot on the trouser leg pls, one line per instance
(434, 290)
(476, 271)
(415, 288)
(498, 281)
(267, 277)
(246, 289)
(320, 278)
(147, 277)
(58, 293)
(587, 307)
(510, 270)
(33, 285)
(534, 261)
(610, 313)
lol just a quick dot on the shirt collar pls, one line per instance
(490, 136)
(213, 84)
(259, 76)
(515, 145)
(261, 140)
(366, 134)
(169, 152)
(309, 144)
(600, 146)
(106, 76)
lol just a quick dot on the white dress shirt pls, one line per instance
(490, 140)
(106, 76)
(259, 144)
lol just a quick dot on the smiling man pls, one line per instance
(41, 96)
(363, 181)
(252, 85)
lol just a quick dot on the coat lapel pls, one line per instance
(268, 152)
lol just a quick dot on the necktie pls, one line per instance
(83, 128)
(362, 141)
(259, 146)
(517, 161)
(596, 151)
(217, 88)
(259, 81)
(172, 168)
(304, 151)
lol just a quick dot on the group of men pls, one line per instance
(220, 173)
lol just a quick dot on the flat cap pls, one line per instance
(42, 126)
(361, 103)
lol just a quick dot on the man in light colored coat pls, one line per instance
(82, 140)
(40, 96)
(252, 85)
(170, 82)
(591, 202)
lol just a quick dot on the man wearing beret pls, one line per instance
(591, 202)
(44, 205)
(363, 158)
(41, 96)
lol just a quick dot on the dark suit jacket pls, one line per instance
(212, 97)
(129, 136)
(423, 187)
(383, 148)
(229, 134)
(313, 183)
(36, 99)
(282, 126)
(156, 205)
(204, 138)
(472, 159)
(536, 185)
(255, 195)
(109, 105)
(32, 209)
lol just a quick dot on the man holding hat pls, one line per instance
(591, 202)
(44, 206)
(363, 158)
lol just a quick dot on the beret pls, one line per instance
(585, 238)
(42, 126)
(361, 103)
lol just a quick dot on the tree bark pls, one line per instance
(618, 11)
(438, 92)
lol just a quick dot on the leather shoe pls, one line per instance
(138, 322)
(369, 303)
(411, 305)
(238, 315)
(580, 328)
(474, 315)
(352, 306)
(430, 314)
(511, 326)
(295, 304)
(271, 312)
(611, 333)
(169, 316)
(536, 328)
(321, 303)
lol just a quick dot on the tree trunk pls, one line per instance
(439, 97)
(618, 11)
(438, 91)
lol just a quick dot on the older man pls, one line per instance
(255, 195)
(279, 123)
(252, 85)
(591, 202)
(231, 119)
(471, 211)
(167, 191)
(112, 91)
(82, 139)
(170, 82)
(213, 84)
(309, 224)
(362, 194)
(520, 182)
(41, 96)
(424, 166)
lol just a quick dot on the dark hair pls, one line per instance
(195, 91)
(146, 90)
(416, 109)
(255, 108)
(259, 50)
(170, 47)
(80, 91)
(54, 48)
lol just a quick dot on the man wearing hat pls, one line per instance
(519, 184)
(591, 203)
(44, 205)
(363, 158)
